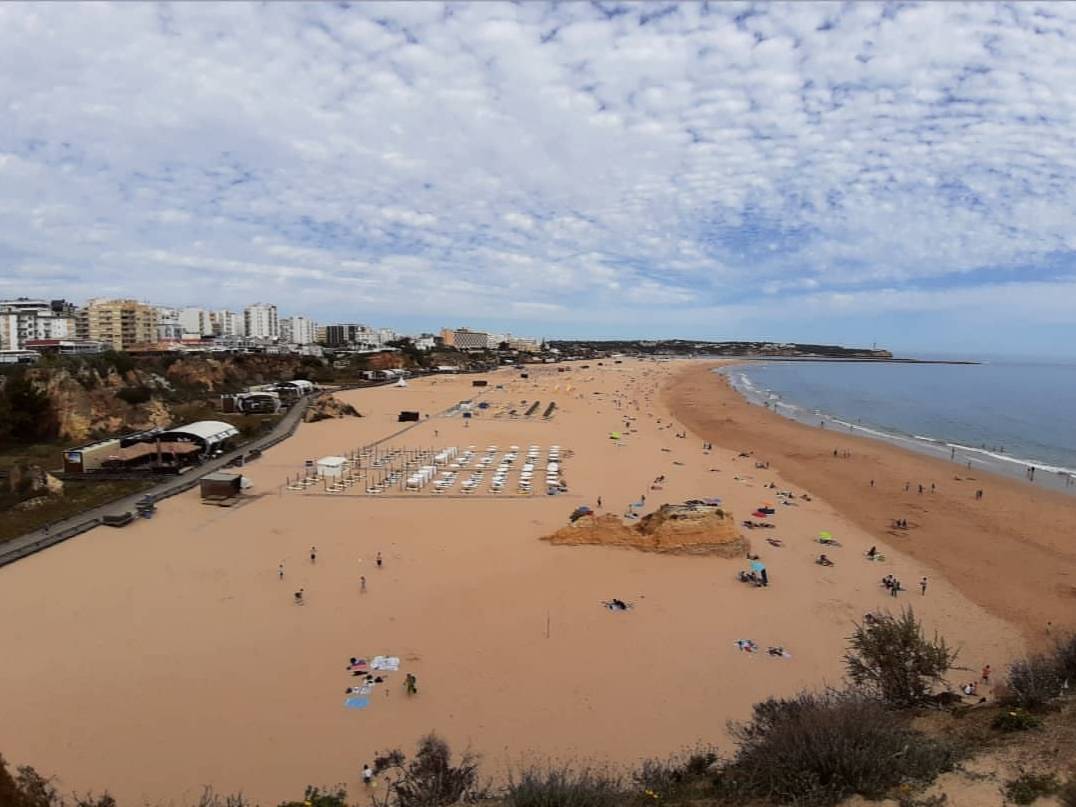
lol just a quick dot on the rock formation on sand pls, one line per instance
(329, 406)
(684, 529)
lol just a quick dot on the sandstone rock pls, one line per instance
(328, 406)
(31, 481)
(674, 529)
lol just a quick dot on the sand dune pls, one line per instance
(158, 658)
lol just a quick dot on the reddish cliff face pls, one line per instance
(675, 529)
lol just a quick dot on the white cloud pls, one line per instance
(476, 155)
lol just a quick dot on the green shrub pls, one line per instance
(1032, 682)
(1027, 787)
(565, 786)
(679, 777)
(892, 659)
(1015, 720)
(316, 797)
(818, 749)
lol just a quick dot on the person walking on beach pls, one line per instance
(362, 584)
(599, 502)
(411, 684)
(380, 562)
(872, 483)
(978, 495)
(313, 554)
(923, 586)
(907, 486)
(986, 674)
(367, 775)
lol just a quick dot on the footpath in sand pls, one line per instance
(168, 655)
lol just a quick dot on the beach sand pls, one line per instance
(158, 658)
(1012, 552)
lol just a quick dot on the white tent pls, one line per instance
(331, 466)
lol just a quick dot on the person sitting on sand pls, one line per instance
(822, 560)
(299, 597)
(618, 605)
(776, 651)
(411, 684)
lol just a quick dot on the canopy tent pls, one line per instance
(331, 466)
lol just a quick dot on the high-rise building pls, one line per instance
(196, 322)
(385, 335)
(260, 321)
(25, 319)
(297, 331)
(121, 323)
(227, 323)
(321, 335)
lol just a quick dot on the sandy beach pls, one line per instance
(1012, 552)
(166, 656)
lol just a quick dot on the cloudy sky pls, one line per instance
(896, 173)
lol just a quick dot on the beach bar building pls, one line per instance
(211, 436)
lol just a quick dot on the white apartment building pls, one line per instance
(169, 328)
(25, 319)
(196, 322)
(260, 321)
(227, 323)
(385, 335)
(298, 331)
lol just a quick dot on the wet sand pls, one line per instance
(158, 658)
(1012, 552)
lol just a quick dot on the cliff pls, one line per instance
(683, 529)
(78, 399)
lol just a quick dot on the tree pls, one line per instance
(892, 659)
(27, 412)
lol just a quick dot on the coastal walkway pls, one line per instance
(24, 545)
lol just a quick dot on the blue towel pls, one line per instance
(357, 703)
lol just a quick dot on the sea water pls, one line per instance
(1002, 416)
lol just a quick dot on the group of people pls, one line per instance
(297, 597)
(900, 523)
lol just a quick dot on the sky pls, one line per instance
(856, 173)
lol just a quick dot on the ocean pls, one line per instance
(1002, 416)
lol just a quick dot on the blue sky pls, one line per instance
(855, 173)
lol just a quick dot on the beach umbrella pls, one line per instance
(757, 566)
(614, 435)
(825, 535)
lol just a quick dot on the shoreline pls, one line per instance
(982, 460)
(1006, 552)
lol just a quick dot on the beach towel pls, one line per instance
(357, 703)
(388, 663)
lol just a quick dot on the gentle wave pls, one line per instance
(743, 384)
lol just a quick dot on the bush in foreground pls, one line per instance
(893, 659)
(1032, 683)
(821, 748)
(428, 780)
(565, 786)
(1027, 787)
